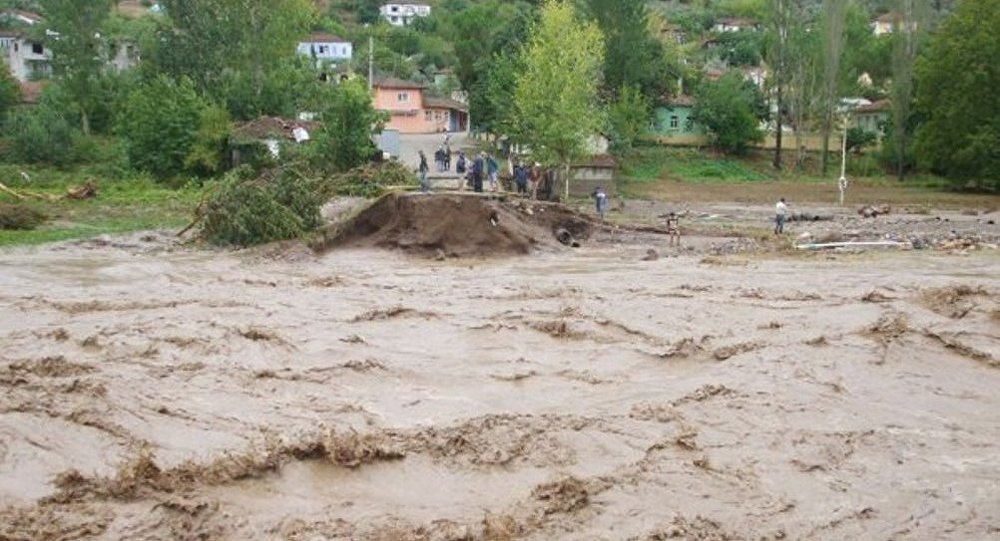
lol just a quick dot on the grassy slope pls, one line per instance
(689, 175)
(119, 207)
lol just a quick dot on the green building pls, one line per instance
(674, 119)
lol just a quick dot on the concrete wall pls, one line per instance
(788, 141)
(585, 179)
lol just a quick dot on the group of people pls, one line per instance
(442, 157)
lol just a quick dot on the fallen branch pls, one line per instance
(10, 192)
(853, 244)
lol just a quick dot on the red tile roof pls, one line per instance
(880, 105)
(392, 82)
(444, 103)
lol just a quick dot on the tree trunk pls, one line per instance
(566, 172)
(780, 73)
(84, 122)
(777, 134)
(827, 121)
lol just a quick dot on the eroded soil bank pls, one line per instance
(569, 394)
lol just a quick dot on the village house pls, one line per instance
(403, 14)
(887, 22)
(411, 111)
(733, 24)
(872, 117)
(326, 48)
(674, 119)
(27, 59)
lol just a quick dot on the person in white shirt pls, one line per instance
(780, 212)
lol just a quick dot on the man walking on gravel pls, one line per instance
(780, 212)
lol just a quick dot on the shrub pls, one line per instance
(370, 180)
(278, 204)
(160, 124)
(41, 134)
(19, 217)
(284, 203)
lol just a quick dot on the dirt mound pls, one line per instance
(455, 225)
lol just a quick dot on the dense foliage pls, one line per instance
(729, 109)
(159, 123)
(555, 98)
(958, 98)
(348, 120)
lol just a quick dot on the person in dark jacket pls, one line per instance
(521, 178)
(422, 169)
(478, 170)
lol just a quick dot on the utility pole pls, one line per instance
(842, 182)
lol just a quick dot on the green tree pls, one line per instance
(78, 54)
(41, 134)
(344, 141)
(907, 38)
(210, 40)
(556, 94)
(478, 33)
(493, 94)
(160, 123)
(628, 118)
(633, 57)
(207, 153)
(835, 13)
(10, 92)
(729, 109)
(957, 97)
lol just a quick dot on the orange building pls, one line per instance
(412, 112)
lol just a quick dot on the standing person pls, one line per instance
(492, 168)
(422, 169)
(780, 212)
(447, 157)
(535, 177)
(673, 229)
(478, 169)
(600, 201)
(460, 167)
(521, 178)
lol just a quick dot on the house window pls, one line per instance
(673, 121)
(403, 96)
(321, 49)
(427, 116)
(689, 125)
(36, 48)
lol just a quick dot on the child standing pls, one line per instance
(673, 230)
(600, 201)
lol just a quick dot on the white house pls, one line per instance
(326, 48)
(733, 24)
(403, 14)
(887, 22)
(26, 59)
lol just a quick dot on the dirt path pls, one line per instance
(579, 394)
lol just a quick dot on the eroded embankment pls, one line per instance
(455, 225)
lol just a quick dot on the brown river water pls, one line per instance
(162, 393)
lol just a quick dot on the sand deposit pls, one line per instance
(151, 391)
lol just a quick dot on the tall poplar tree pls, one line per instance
(78, 54)
(556, 94)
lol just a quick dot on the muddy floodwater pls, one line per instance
(568, 394)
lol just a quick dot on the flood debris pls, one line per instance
(954, 301)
